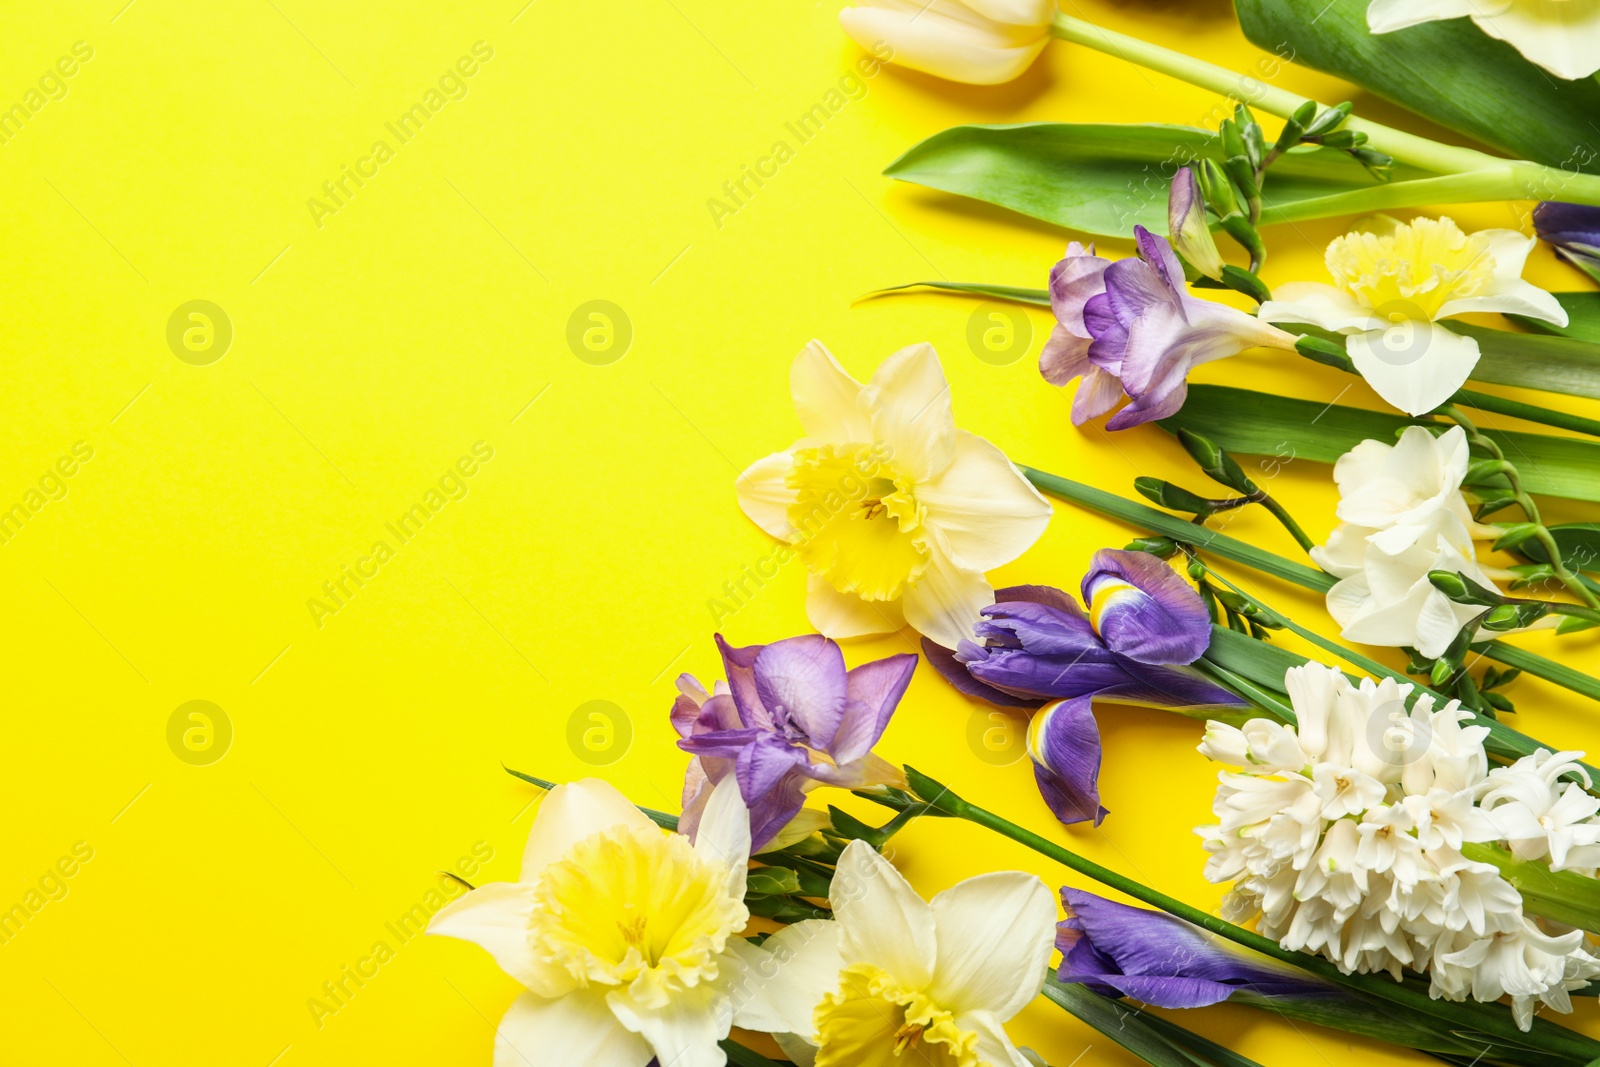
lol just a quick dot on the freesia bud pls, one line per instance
(1186, 219)
(982, 42)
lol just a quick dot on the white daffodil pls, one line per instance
(1392, 286)
(1562, 36)
(895, 979)
(896, 513)
(1403, 515)
(625, 935)
(982, 42)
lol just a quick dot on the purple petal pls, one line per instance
(1162, 960)
(1065, 356)
(1042, 629)
(801, 683)
(1144, 610)
(1109, 333)
(773, 810)
(1152, 407)
(1048, 595)
(725, 744)
(955, 672)
(1073, 281)
(764, 763)
(874, 692)
(739, 665)
(1157, 252)
(1064, 743)
(1568, 224)
(1134, 287)
(1157, 346)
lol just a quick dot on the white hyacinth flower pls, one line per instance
(1343, 838)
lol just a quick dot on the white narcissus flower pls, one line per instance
(1562, 36)
(981, 42)
(625, 935)
(896, 513)
(896, 979)
(1392, 288)
(1403, 516)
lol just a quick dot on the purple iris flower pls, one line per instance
(789, 717)
(1130, 328)
(1574, 230)
(1041, 650)
(1162, 960)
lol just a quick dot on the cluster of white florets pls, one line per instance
(1345, 837)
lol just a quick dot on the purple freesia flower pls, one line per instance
(1130, 328)
(1574, 230)
(789, 717)
(1143, 626)
(1159, 959)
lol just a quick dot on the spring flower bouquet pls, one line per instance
(1399, 862)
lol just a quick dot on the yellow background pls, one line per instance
(370, 353)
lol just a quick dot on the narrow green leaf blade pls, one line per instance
(1535, 361)
(1583, 313)
(1505, 100)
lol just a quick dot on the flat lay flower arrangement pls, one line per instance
(1400, 861)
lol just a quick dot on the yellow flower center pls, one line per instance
(872, 1022)
(1411, 273)
(634, 905)
(857, 521)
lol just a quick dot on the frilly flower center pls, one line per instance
(632, 903)
(1411, 273)
(859, 525)
(872, 1022)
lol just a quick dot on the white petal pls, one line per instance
(995, 932)
(881, 919)
(799, 1050)
(765, 496)
(945, 601)
(910, 404)
(683, 1032)
(1386, 16)
(1507, 292)
(1414, 365)
(724, 833)
(994, 1045)
(796, 968)
(841, 615)
(989, 513)
(495, 917)
(1562, 36)
(1317, 304)
(827, 400)
(556, 1033)
(935, 46)
(571, 813)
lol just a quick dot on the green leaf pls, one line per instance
(1535, 361)
(1583, 309)
(1103, 178)
(1579, 543)
(1015, 294)
(1126, 1025)
(1242, 420)
(1507, 101)
(772, 881)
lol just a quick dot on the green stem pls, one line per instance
(1486, 177)
(1493, 1021)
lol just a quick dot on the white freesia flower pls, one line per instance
(1393, 286)
(1403, 515)
(1562, 36)
(982, 42)
(1349, 846)
(625, 936)
(896, 979)
(891, 507)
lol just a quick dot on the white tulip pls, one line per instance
(1562, 36)
(982, 42)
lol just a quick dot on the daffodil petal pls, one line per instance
(796, 968)
(882, 920)
(765, 494)
(723, 835)
(988, 512)
(573, 1029)
(1316, 304)
(994, 1045)
(571, 813)
(911, 413)
(1562, 36)
(685, 1030)
(841, 615)
(946, 601)
(1508, 292)
(827, 400)
(495, 918)
(1415, 365)
(1386, 16)
(995, 934)
(930, 45)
